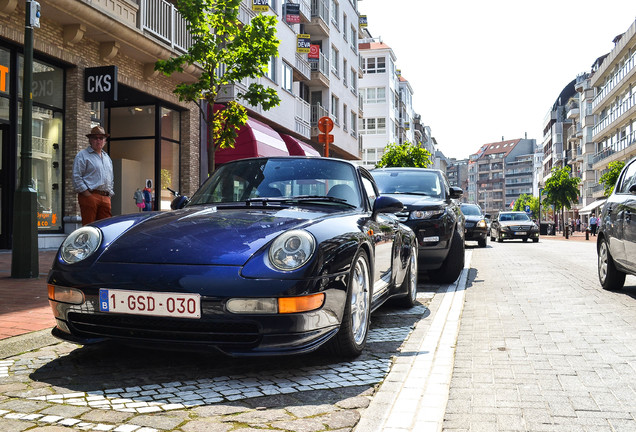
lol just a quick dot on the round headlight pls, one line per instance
(80, 244)
(292, 250)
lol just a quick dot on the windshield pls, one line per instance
(470, 210)
(517, 217)
(408, 182)
(280, 179)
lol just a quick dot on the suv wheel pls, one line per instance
(610, 277)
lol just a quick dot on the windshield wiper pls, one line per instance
(298, 199)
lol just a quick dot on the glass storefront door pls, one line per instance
(4, 187)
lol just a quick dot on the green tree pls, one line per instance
(561, 190)
(226, 52)
(405, 155)
(608, 180)
(525, 199)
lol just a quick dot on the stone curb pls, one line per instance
(27, 342)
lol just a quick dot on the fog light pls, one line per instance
(65, 295)
(283, 305)
(256, 305)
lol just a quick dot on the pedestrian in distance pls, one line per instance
(138, 196)
(593, 224)
(147, 192)
(93, 178)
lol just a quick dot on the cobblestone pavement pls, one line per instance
(541, 346)
(64, 387)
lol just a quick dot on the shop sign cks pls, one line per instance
(100, 84)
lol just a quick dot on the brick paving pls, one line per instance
(24, 306)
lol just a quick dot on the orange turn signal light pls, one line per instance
(300, 304)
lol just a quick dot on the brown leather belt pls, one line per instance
(100, 192)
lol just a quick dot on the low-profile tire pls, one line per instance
(482, 242)
(499, 238)
(453, 264)
(354, 328)
(535, 240)
(410, 283)
(608, 275)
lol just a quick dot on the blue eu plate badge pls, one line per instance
(103, 300)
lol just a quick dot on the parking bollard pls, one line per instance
(587, 233)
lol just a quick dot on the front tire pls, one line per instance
(410, 283)
(482, 242)
(610, 277)
(453, 264)
(354, 328)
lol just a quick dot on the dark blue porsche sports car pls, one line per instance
(270, 256)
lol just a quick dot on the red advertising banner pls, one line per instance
(314, 52)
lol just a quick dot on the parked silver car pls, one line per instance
(616, 239)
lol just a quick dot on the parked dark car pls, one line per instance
(616, 238)
(513, 225)
(270, 256)
(431, 210)
(476, 224)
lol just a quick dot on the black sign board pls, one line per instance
(100, 84)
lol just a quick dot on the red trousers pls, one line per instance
(94, 207)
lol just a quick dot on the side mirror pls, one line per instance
(179, 202)
(386, 204)
(456, 192)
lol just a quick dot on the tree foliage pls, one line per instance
(561, 189)
(609, 179)
(524, 200)
(227, 52)
(405, 155)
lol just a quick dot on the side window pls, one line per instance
(628, 179)
(370, 191)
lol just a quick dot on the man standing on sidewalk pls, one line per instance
(93, 178)
(593, 224)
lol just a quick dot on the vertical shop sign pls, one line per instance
(303, 43)
(260, 5)
(363, 21)
(292, 13)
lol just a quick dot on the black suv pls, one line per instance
(431, 210)
(616, 239)
(476, 223)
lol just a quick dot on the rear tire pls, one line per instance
(535, 240)
(410, 283)
(482, 242)
(610, 277)
(453, 264)
(499, 238)
(354, 328)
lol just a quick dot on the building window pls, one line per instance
(271, 68)
(354, 39)
(344, 72)
(335, 12)
(374, 126)
(354, 81)
(288, 78)
(344, 26)
(375, 65)
(344, 117)
(373, 95)
(334, 109)
(335, 61)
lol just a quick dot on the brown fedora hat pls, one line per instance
(97, 131)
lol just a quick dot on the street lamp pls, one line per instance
(24, 261)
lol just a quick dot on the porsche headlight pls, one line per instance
(292, 250)
(425, 214)
(80, 244)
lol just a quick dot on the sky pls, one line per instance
(486, 69)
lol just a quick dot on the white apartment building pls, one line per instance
(614, 105)
(310, 88)
(405, 123)
(379, 88)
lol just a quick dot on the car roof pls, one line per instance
(405, 169)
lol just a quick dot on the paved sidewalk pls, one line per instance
(24, 306)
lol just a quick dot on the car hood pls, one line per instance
(205, 236)
(528, 224)
(473, 218)
(416, 201)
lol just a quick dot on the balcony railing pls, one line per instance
(322, 65)
(161, 19)
(318, 111)
(621, 145)
(614, 114)
(320, 8)
(615, 80)
(302, 116)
